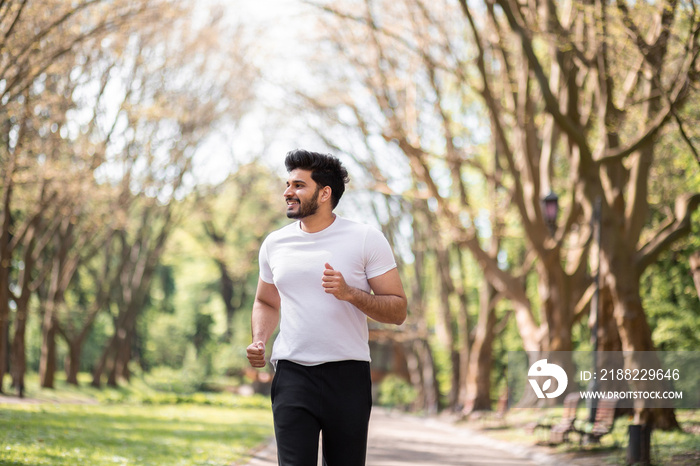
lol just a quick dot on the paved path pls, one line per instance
(397, 439)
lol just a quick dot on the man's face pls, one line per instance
(301, 194)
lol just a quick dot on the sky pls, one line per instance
(283, 32)
(277, 30)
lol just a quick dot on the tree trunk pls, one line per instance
(463, 331)
(449, 339)
(608, 335)
(4, 320)
(47, 363)
(227, 294)
(556, 306)
(123, 357)
(5, 265)
(432, 388)
(75, 344)
(72, 361)
(635, 333)
(49, 328)
(111, 366)
(464, 353)
(101, 364)
(478, 384)
(422, 372)
(19, 351)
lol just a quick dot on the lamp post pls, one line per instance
(550, 208)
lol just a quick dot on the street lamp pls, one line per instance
(550, 208)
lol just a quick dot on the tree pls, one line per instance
(100, 125)
(414, 111)
(168, 120)
(35, 38)
(611, 143)
(576, 97)
(235, 217)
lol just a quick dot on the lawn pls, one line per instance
(149, 429)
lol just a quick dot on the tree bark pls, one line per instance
(72, 361)
(5, 266)
(19, 349)
(449, 329)
(102, 363)
(632, 324)
(47, 363)
(478, 384)
(227, 288)
(19, 358)
(423, 375)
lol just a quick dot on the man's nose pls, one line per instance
(288, 192)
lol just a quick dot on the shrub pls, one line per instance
(395, 392)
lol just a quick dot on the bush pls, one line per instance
(200, 399)
(174, 381)
(167, 340)
(395, 392)
(229, 360)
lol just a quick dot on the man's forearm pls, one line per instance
(264, 320)
(387, 304)
(387, 309)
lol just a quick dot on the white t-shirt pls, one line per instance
(316, 327)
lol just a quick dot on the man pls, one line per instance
(323, 275)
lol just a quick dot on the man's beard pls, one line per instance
(306, 208)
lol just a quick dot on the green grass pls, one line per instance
(131, 426)
(678, 448)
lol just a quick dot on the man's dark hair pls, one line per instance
(326, 170)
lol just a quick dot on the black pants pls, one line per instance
(335, 398)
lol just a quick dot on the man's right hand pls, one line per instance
(256, 354)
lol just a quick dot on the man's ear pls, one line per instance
(326, 193)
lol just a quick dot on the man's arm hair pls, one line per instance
(386, 304)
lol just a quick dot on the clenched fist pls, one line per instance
(256, 354)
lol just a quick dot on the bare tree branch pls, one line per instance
(675, 228)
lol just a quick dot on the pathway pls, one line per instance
(398, 439)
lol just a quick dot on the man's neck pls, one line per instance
(317, 222)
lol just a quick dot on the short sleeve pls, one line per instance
(263, 260)
(379, 258)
